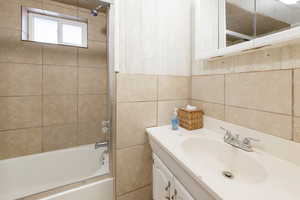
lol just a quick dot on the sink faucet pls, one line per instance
(235, 141)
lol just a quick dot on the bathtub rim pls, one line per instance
(78, 188)
(44, 195)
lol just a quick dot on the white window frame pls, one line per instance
(60, 21)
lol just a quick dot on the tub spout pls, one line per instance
(101, 144)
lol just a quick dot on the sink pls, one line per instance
(215, 158)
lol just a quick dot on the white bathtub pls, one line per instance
(94, 191)
(32, 174)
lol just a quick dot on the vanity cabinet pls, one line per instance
(180, 192)
(165, 185)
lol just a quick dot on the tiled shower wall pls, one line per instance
(51, 97)
(259, 90)
(142, 101)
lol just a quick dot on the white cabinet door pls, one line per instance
(179, 192)
(162, 180)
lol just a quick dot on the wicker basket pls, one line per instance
(190, 120)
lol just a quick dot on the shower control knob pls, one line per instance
(105, 123)
(105, 130)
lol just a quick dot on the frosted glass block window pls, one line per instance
(56, 30)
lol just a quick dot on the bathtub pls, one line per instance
(95, 191)
(33, 174)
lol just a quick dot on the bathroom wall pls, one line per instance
(155, 67)
(51, 96)
(143, 101)
(259, 90)
(154, 36)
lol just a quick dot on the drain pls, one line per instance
(228, 174)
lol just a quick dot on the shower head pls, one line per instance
(100, 8)
(94, 12)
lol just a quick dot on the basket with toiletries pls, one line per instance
(190, 117)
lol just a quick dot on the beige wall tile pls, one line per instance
(267, 59)
(136, 87)
(10, 15)
(59, 109)
(97, 25)
(60, 80)
(245, 62)
(213, 110)
(90, 132)
(20, 112)
(208, 88)
(173, 87)
(32, 3)
(93, 56)
(20, 79)
(12, 49)
(92, 81)
(59, 137)
(20, 142)
(287, 59)
(134, 168)
(92, 108)
(141, 194)
(60, 55)
(295, 48)
(274, 124)
(166, 109)
(297, 92)
(220, 66)
(60, 7)
(297, 129)
(132, 119)
(268, 91)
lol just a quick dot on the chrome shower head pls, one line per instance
(99, 9)
(94, 12)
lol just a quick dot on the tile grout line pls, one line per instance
(293, 105)
(137, 189)
(42, 101)
(157, 93)
(77, 89)
(245, 72)
(245, 108)
(225, 97)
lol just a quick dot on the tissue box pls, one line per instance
(190, 120)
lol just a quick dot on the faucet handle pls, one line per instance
(247, 140)
(228, 134)
(226, 130)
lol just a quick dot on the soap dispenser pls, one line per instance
(175, 120)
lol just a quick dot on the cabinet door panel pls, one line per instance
(162, 181)
(179, 192)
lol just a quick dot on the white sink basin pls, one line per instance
(215, 157)
(272, 171)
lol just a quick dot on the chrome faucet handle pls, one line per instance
(226, 130)
(247, 140)
(228, 134)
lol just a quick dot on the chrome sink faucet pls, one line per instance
(235, 141)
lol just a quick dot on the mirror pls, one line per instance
(240, 21)
(249, 19)
(276, 15)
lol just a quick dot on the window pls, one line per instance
(55, 30)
